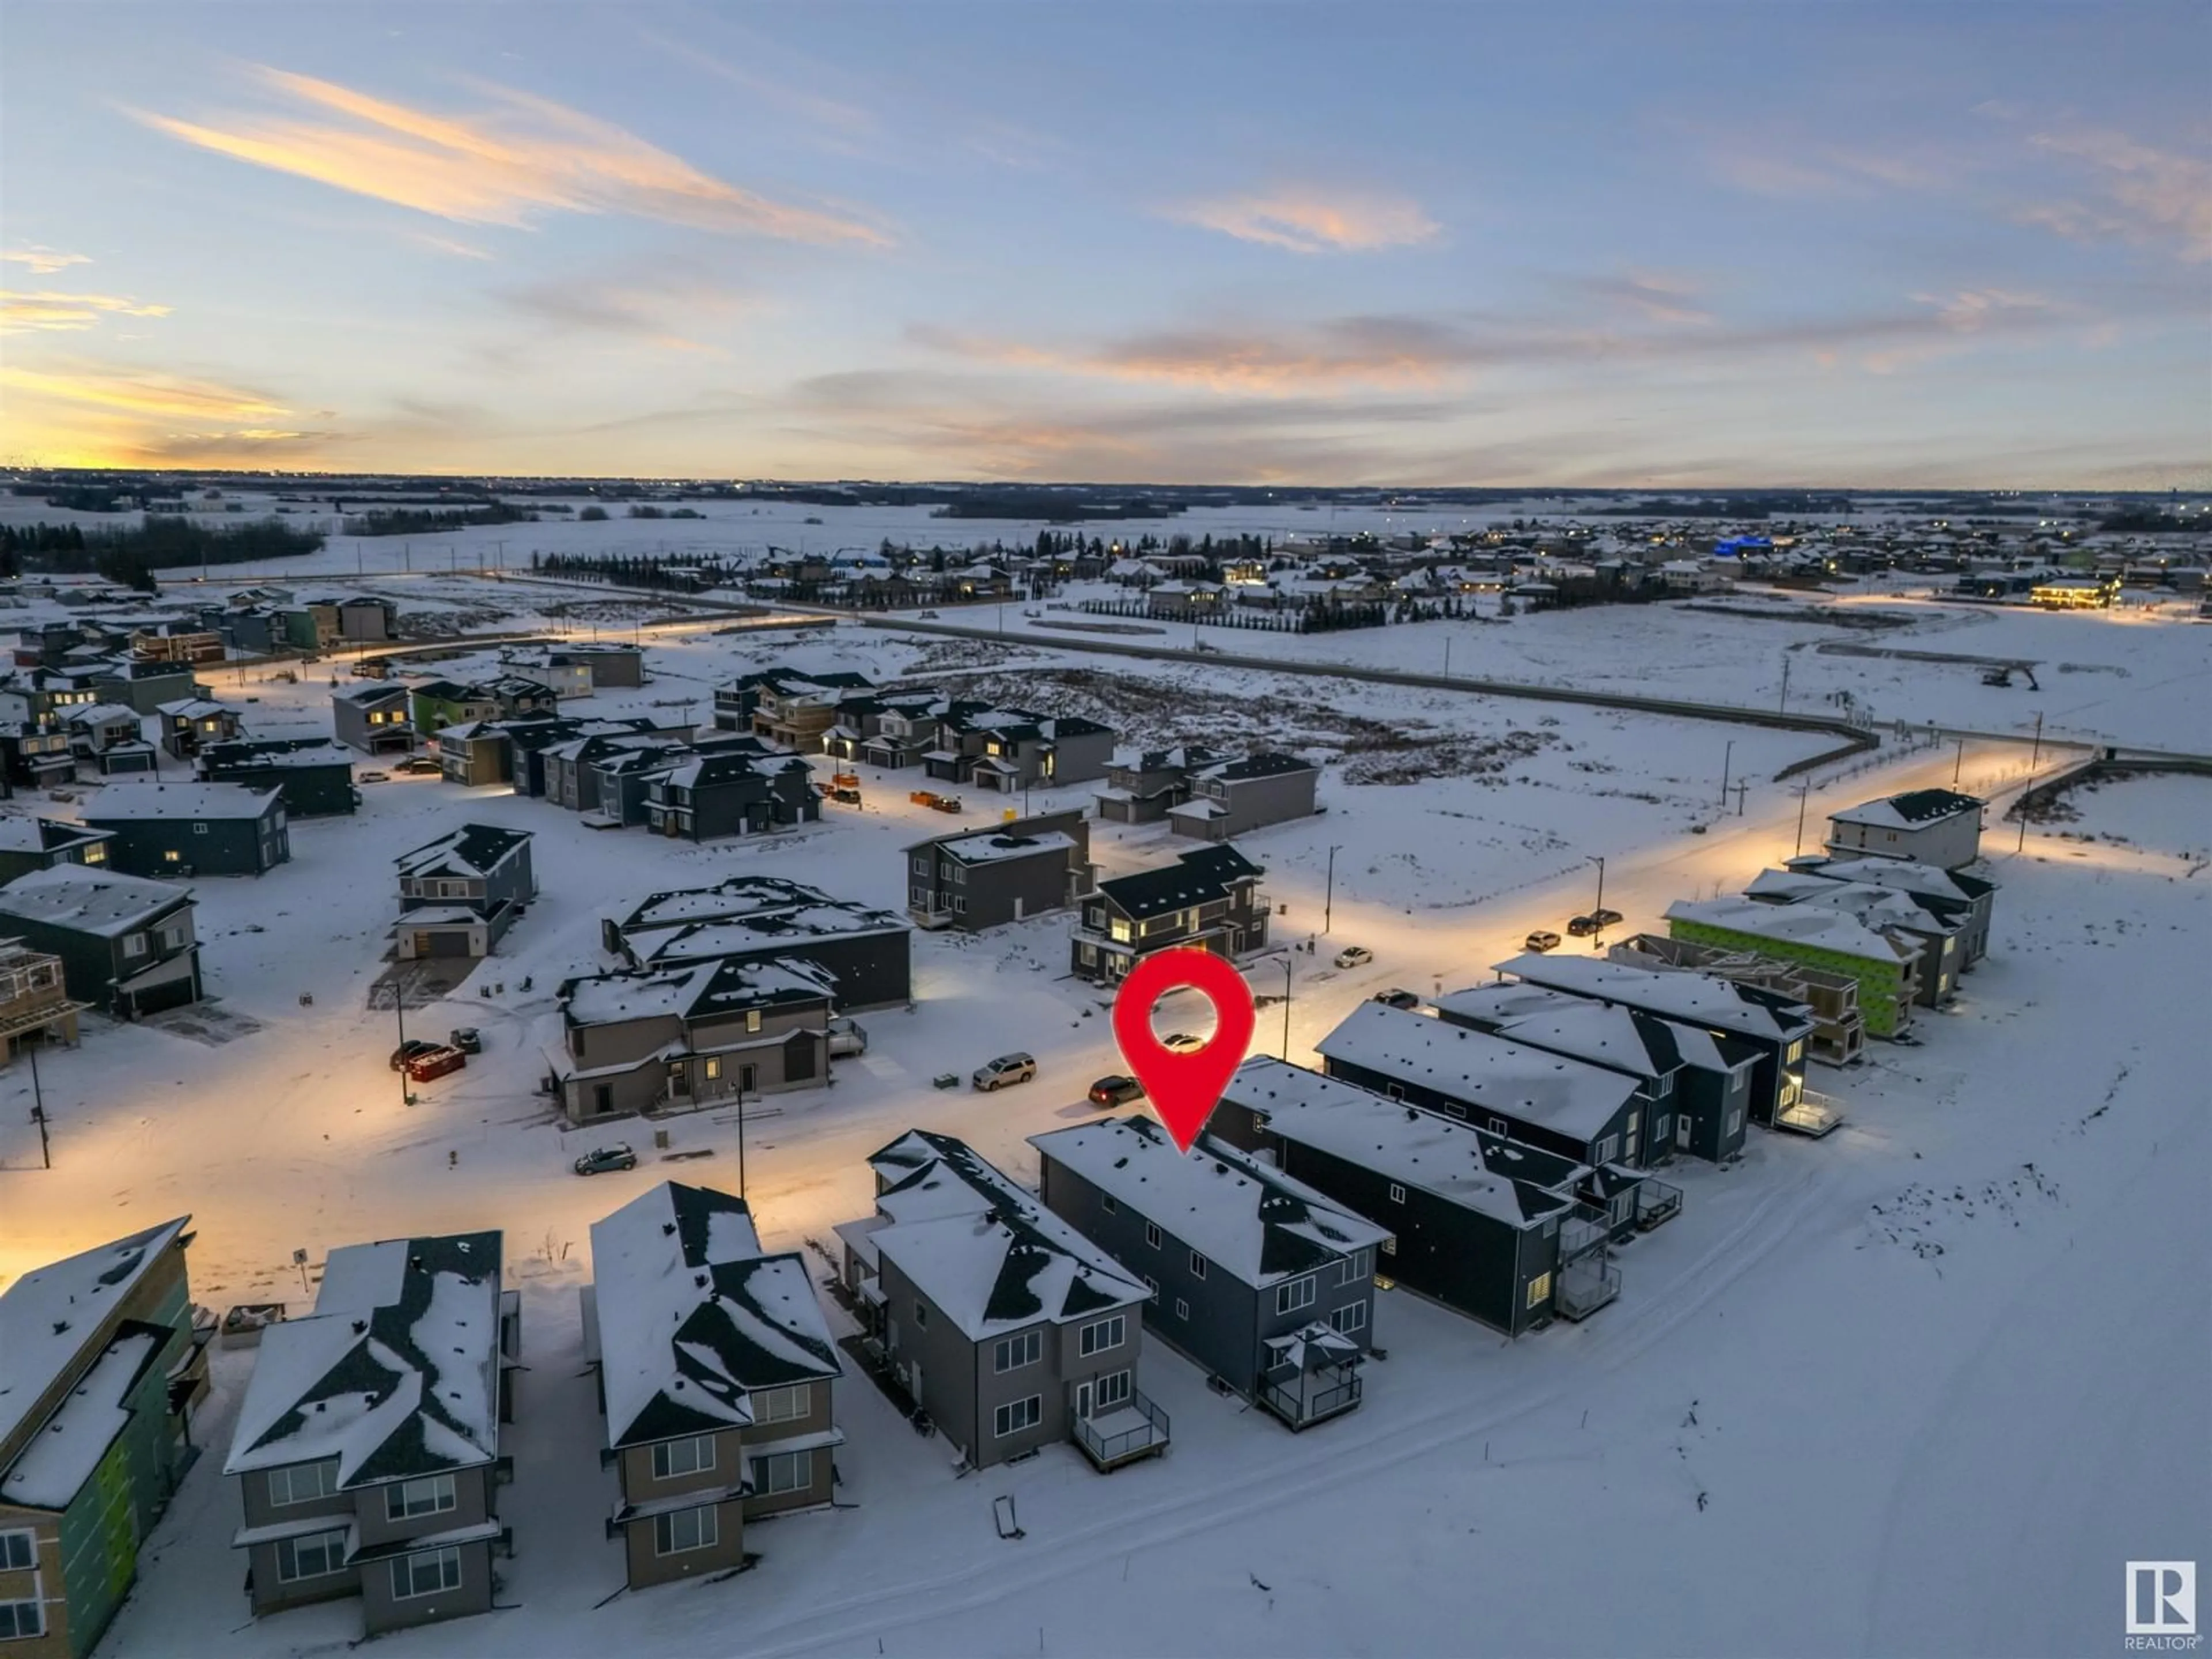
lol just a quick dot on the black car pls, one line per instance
(1583, 927)
(1116, 1090)
(1397, 999)
(1606, 917)
(412, 1049)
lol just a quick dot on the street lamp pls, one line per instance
(1597, 913)
(1329, 894)
(1804, 794)
(1727, 755)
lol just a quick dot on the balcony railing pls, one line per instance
(1811, 1114)
(1585, 1229)
(1305, 1404)
(1656, 1203)
(1586, 1285)
(1136, 1428)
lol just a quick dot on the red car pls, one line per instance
(441, 1059)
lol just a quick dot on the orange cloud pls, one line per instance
(43, 311)
(43, 261)
(2150, 195)
(1314, 221)
(523, 156)
(1388, 351)
(160, 395)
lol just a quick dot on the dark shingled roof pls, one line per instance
(1195, 878)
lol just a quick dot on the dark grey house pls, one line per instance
(1228, 798)
(977, 878)
(867, 952)
(367, 1447)
(128, 947)
(191, 828)
(688, 1037)
(1489, 1228)
(376, 718)
(143, 686)
(1259, 1278)
(1143, 784)
(710, 796)
(28, 844)
(1007, 751)
(1209, 899)
(1705, 1079)
(1773, 1030)
(37, 756)
(1005, 1324)
(189, 724)
(314, 775)
(460, 894)
(715, 1371)
(613, 666)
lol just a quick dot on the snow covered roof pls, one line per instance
(1817, 926)
(732, 898)
(1163, 760)
(143, 803)
(474, 850)
(395, 1374)
(254, 754)
(1200, 877)
(1704, 1000)
(983, 1250)
(1254, 1222)
(85, 901)
(705, 941)
(101, 713)
(375, 691)
(701, 990)
(1915, 809)
(1268, 763)
(22, 835)
(192, 708)
(693, 1316)
(1455, 1161)
(47, 1316)
(1923, 881)
(990, 845)
(1876, 906)
(61, 1456)
(1567, 1096)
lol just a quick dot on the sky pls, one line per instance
(1650, 244)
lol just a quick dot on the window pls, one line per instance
(782, 1471)
(1183, 1308)
(1153, 1285)
(19, 1551)
(20, 1618)
(920, 897)
(1197, 1265)
(673, 1457)
(1151, 1236)
(1395, 1090)
(1013, 1352)
(1397, 1193)
(1100, 1334)
(1736, 1120)
(680, 1531)
(713, 1063)
(1088, 954)
(1352, 1316)
(1539, 1289)
(1018, 1414)
(920, 1315)
(134, 944)
(1551, 1227)
(782, 1405)
(316, 1556)
(426, 1573)
(1661, 1128)
(1797, 1052)
(199, 829)
(1498, 1126)
(1608, 1148)
(959, 905)
(1354, 1267)
(1113, 1389)
(752, 1019)
(1389, 1246)
(303, 1484)
(424, 1497)
(171, 855)
(1106, 1203)
(1299, 1293)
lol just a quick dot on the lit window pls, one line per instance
(1539, 1289)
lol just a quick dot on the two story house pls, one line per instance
(709, 796)
(1209, 899)
(179, 829)
(27, 844)
(367, 1447)
(1885, 909)
(377, 718)
(1952, 894)
(1143, 784)
(1887, 964)
(1258, 1277)
(127, 946)
(314, 775)
(715, 1370)
(788, 708)
(690, 1036)
(1229, 798)
(1005, 1324)
(460, 894)
(1009, 750)
(867, 953)
(973, 879)
(37, 755)
(1940, 827)
(189, 724)
(103, 1366)
(1490, 1228)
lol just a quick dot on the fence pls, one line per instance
(1311, 619)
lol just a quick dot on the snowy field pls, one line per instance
(1921, 1387)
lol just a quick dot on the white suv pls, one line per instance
(1006, 1068)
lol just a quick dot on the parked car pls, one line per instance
(1540, 941)
(605, 1160)
(1582, 926)
(848, 1036)
(1395, 998)
(1606, 917)
(993, 1075)
(442, 1059)
(1115, 1091)
(407, 1050)
(1183, 1043)
(467, 1039)
(1354, 956)
(372, 777)
(421, 766)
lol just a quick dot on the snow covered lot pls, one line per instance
(1921, 1387)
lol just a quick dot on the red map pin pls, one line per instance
(1183, 1088)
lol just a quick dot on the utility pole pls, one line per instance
(2035, 753)
(1286, 1005)
(741, 1143)
(1741, 790)
(1727, 755)
(1597, 911)
(1804, 794)
(1328, 896)
(1958, 764)
(1784, 706)
(399, 1012)
(38, 1107)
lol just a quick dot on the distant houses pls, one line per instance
(975, 879)
(184, 830)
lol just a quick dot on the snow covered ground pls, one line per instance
(1921, 1387)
